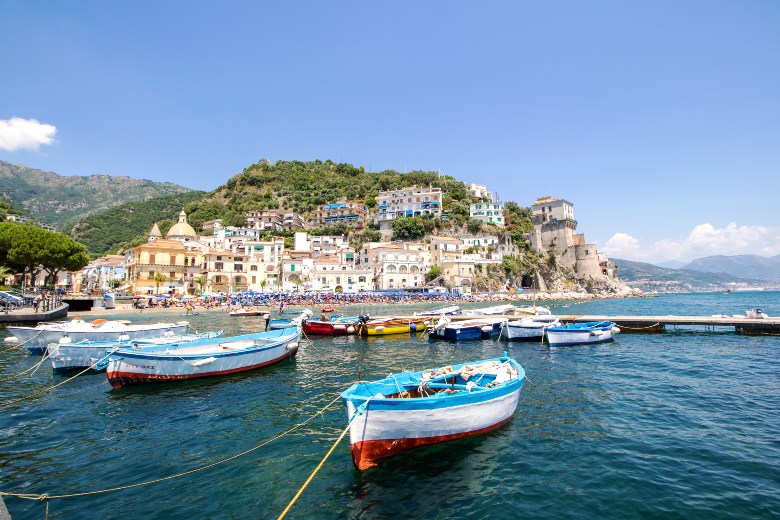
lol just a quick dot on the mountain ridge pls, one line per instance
(60, 200)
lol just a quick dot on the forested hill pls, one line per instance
(302, 186)
(293, 185)
(59, 200)
(128, 224)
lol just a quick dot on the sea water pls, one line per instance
(679, 424)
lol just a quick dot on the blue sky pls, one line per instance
(659, 121)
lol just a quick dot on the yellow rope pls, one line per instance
(308, 480)
(36, 496)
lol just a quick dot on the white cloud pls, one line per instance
(703, 240)
(24, 134)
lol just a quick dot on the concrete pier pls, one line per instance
(649, 324)
(28, 316)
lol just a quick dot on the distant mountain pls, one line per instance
(649, 278)
(59, 200)
(743, 266)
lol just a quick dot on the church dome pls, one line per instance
(181, 228)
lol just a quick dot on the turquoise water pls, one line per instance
(680, 424)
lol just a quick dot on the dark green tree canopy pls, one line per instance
(408, 228)
(25, 247)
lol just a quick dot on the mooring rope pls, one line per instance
(43, 391)
(43, 496)
(33, 368)
(626, 327)
(359, 411)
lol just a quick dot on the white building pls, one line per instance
(487, 212)
(407, 202)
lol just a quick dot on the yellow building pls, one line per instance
(175, 257)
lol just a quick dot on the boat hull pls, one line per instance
(79, 356)
(131, 368)
(575, 335)
(529, 329)
(382, 432)
(457, 332)
(36, 340)
(394, 326)
(329, 328)
(409, 410)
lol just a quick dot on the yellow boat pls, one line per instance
(383, 326)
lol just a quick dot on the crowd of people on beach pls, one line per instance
(280, 301)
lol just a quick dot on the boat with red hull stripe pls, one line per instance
(409, 410)
(371, 453)
(206, 358)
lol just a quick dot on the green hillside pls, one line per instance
(59, 200)
(128, 224)
(294, 185)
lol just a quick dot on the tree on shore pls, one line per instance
(25, 248)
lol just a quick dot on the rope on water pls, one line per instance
(30, 370)
(648, 327)
(322, 462)
(37, 496)
(43, 391)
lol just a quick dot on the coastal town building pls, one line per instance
(353, 214)
(414, 201)
(479, 191)
(395, 265)
(487, 212)
(274, 220)
(319, 245)
(21, 219)
(103, 274)
(334, 272)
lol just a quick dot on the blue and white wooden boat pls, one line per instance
(36, 339)
(482, 328)
(581, 333)
(531, 328)
(506, 308)
(409, 410)
(67, 357)
(202, 358)
(444, 311)
(284, 323)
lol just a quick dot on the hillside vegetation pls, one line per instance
(293, 185)
(128, 224)
(60, 200)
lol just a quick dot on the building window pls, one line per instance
(217, 279)
(152, 259)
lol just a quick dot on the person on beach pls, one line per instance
(281, 307)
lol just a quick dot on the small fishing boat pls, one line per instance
(249, 311)
(531, 328)
(581, 333)
(409, 410)
(466, 330)
(444, 311)
(36, 339)
(202, 358)
(285, 323)
(67, 356)
(531, 310)
(391, 325)
(506, 308)
(333, 327)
